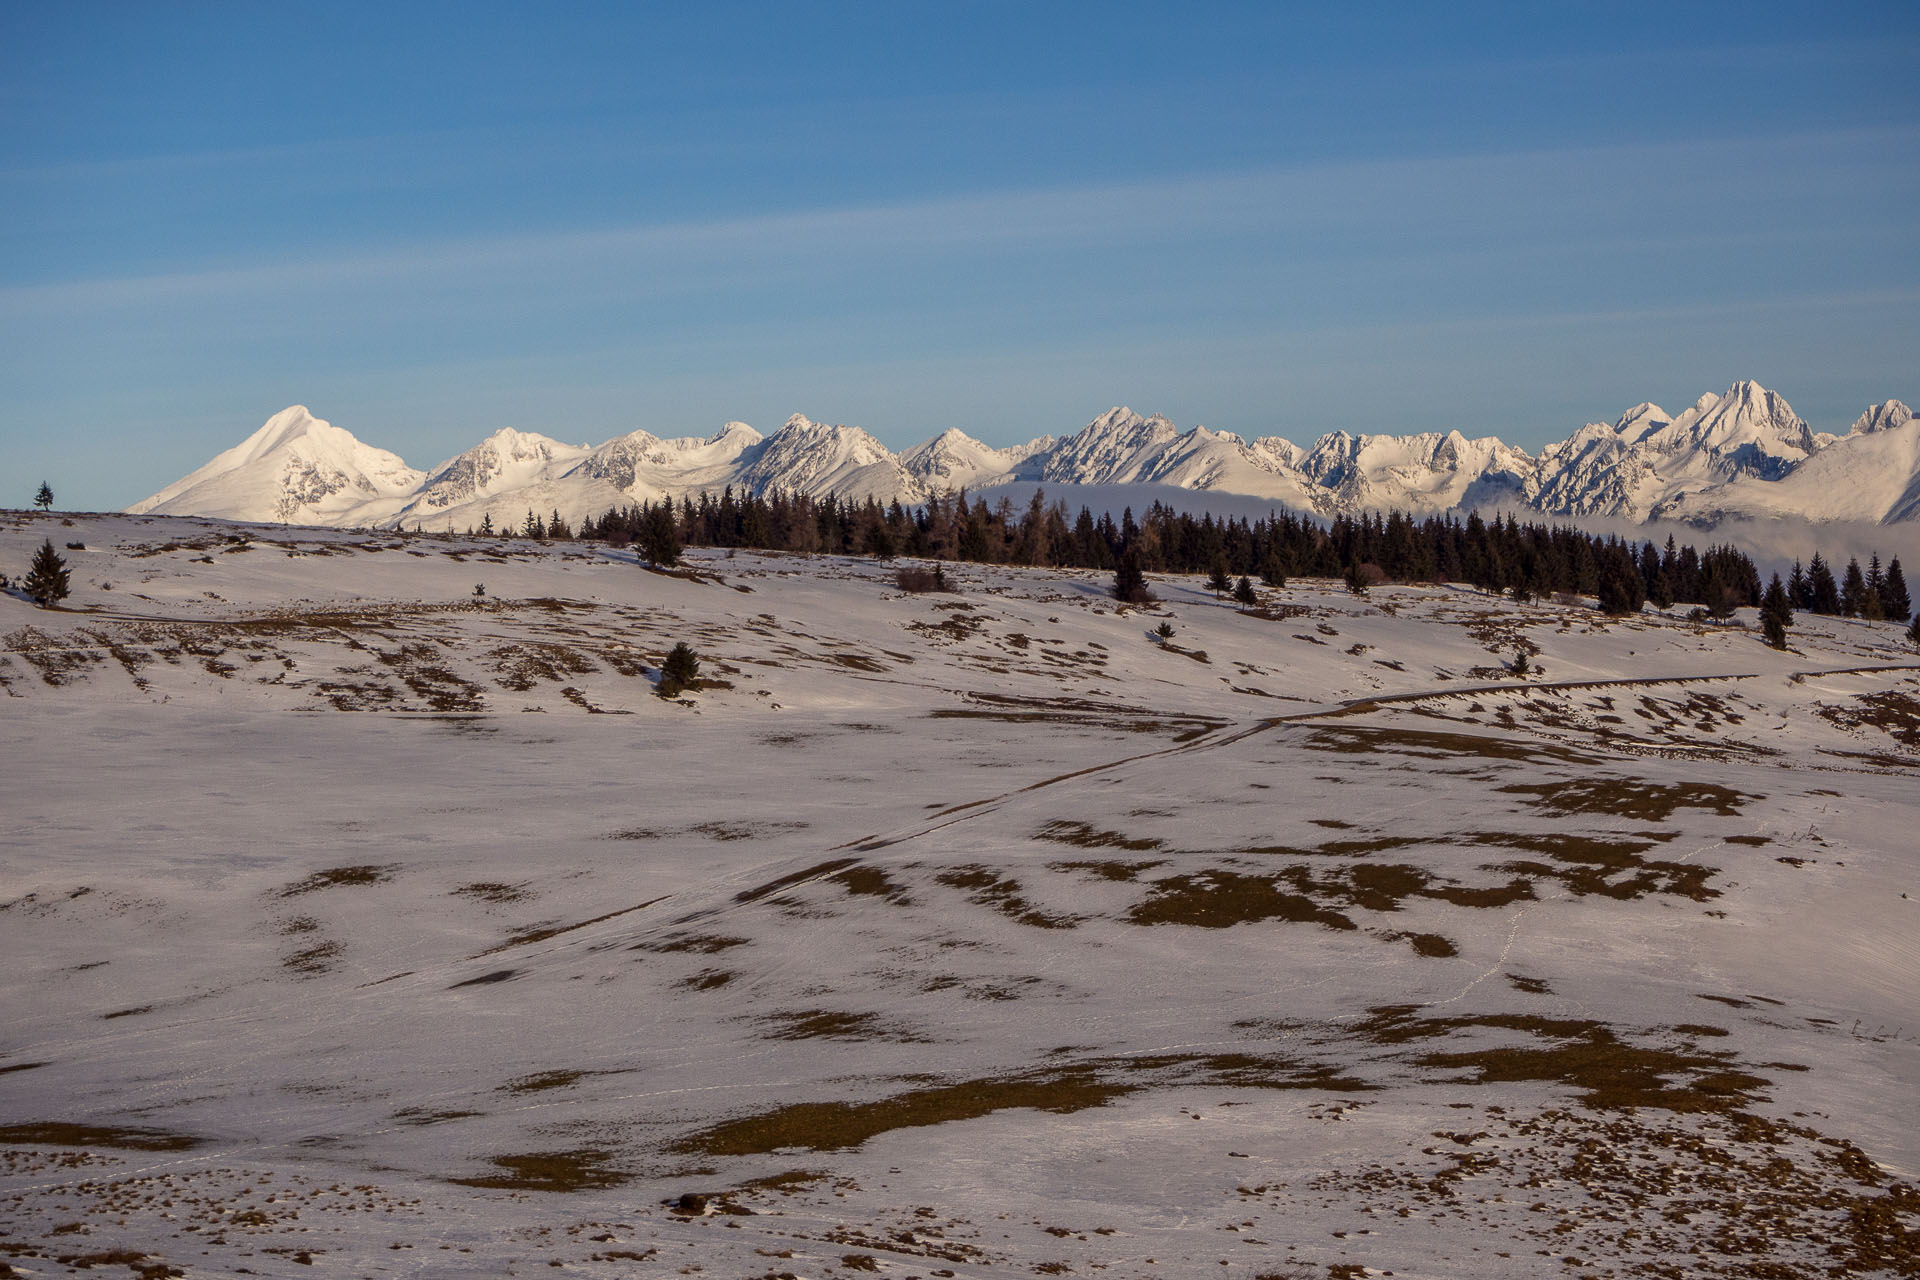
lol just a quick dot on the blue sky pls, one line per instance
(428, 221)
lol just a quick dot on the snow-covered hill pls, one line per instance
(354, 923)
(1744, 453)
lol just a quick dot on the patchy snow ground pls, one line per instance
(937, 935)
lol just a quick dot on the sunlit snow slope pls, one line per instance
(364, 911)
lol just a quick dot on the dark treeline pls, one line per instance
(1498, 554)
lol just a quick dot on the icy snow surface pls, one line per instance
(353, 923)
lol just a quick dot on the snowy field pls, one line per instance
(356, 924)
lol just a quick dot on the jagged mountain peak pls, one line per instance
(513, 441)
(800, 430)
(739, 431)
(1888, 415)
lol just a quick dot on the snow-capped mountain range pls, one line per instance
(1742, 454)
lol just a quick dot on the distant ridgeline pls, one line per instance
(1500, 555)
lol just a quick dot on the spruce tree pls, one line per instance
(47, 576)
(1129, 581)
(1660, 589)
(1356, 579)
(1894, 601)
(1823, 596)
(681, 669)
(1853, 590)
(1218, 580)
(1870, 607)
(1798, 589)
(1620, 591)
(44, 499)
(1913, 630)
(1776, 614)
(1717, 597)
(1273, 569)
(1244, 593)
(660, 535)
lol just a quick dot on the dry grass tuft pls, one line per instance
(338, 877)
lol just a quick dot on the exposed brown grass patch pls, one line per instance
(60, 1133)
(1221, 899)
(988, 888)
(836, 1126)
(1630, 797)
(1105, 870)
(871, 882)
(338, 877)
(418, 1117)
(835, 1024)
(1607, 866)
(1893, 712)
(792, 878)
(493, 891)
(1435, 744)
(1082, 835)
(1610, 1073)
(704, 944)
(582, 1170)
(541, 1081)
(314, 961)
(540, 933)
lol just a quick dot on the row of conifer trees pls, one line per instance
(1500, 554)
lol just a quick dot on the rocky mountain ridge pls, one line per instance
(1741, 454)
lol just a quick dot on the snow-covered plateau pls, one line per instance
(1742, 455)
(365, 912)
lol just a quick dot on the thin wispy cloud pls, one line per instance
(1549, 196)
